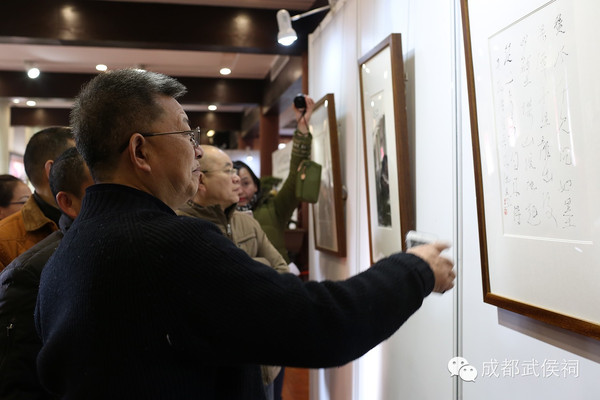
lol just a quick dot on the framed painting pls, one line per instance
(385, 142)
(328, 211)
(533, 94)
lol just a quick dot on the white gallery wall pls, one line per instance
(412, 364)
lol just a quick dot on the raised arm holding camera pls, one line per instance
(274, 212)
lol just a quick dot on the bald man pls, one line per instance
(215, 201)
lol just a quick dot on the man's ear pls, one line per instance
(202, 182)
(65, 203)
(47, 165)
(138, 152)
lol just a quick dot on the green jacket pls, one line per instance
(274, 212)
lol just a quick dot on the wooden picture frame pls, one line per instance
(385, 143)
(328, 212)
(532, 81)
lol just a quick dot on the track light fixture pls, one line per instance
(287, 35)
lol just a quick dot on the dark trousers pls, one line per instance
(278, 385)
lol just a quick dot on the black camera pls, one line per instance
(300, 102)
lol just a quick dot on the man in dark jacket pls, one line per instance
(19, 283)
(139, 303)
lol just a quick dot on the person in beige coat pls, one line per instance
(215, 201)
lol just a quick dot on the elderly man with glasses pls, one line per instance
(139, 303)
(215, 201)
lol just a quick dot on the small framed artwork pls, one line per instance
(328, 211)
(385, 142)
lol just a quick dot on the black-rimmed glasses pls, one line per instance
(229, 171)
(194, 135)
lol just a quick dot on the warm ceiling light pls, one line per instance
(31, 103)
(210, 133)
(33, 72)
(101, 67)
(16, 101)
(212, 107)
(225, 71)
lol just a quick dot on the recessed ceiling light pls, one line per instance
(31, 103)
(33, 72)
(249, 158)
(212, 107)
(225, 71)
(210, 133)
(281, 146)
(16, 101)
(101, 67)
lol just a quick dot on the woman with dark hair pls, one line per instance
(13, 194)
(273, 212)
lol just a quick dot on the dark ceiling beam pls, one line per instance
(148, 26)
(289, 75)
(215, 120)
(21, 116)
(66, 85)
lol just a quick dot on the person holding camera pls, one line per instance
(273, 212)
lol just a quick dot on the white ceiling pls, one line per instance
(75, 59)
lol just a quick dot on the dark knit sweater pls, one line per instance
(138, 303)
(19, 342)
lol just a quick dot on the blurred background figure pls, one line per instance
(20, 280)
(13, 194)
(39, 216)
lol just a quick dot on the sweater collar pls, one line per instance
(116, 198)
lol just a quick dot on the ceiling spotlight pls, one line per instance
(225, 71)
(210, 133)
(287, 35)
(16, 101)
(101, 67)
(212, 107)
(32, 71)
(31, 103)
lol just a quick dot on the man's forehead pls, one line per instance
(224, 160)
(216, 156)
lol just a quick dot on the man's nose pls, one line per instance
(198, 151)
